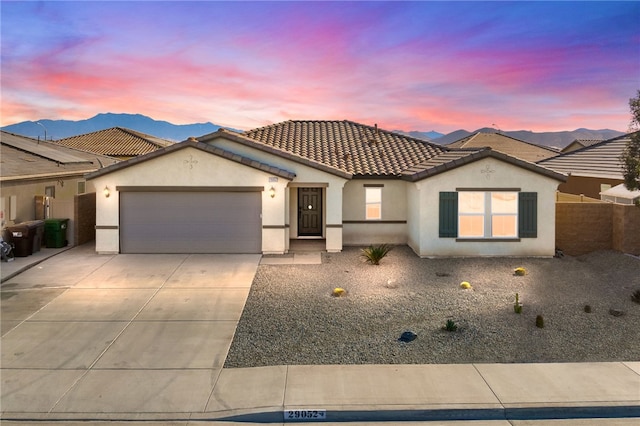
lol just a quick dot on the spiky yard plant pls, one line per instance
(374, 254)
(450, 325)
(517, 307)
(635, 296)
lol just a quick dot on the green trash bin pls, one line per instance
(55, 232)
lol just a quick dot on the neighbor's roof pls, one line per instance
(599, 160)
(579, 143)
(116, 142)
(24, 158)
(507, 145)
(354, 148)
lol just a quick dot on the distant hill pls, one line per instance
(551, 139)
(58, 129)
(427, 136)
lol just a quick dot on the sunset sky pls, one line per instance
(540, 66)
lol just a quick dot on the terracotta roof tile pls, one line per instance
(353, 148)
(115, 142)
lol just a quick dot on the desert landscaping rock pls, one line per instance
(290, 317)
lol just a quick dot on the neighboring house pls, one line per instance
(116, 142)
(507, 145)
(580, 143)
(592, 169)
(621, 195)
(338, 181)
(40, 179)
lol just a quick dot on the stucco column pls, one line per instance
(274, 217)
(333, 233)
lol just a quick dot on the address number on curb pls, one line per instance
(304, 415)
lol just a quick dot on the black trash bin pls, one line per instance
(37, 228)
(55, 232)
(22, 239)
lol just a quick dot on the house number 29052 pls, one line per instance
(304, 415)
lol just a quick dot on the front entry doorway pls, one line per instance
(310, 212)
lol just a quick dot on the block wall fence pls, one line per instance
(585, 227)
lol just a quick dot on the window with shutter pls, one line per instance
(488, 214)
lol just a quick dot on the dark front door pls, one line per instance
(310, 212)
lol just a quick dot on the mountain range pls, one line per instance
(58, 129)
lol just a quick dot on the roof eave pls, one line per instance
(473, 157)
(285, 174)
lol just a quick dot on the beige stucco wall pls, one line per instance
(24, 192)
(305, 176)
(391, 228)
(482, 174)
(190, 167)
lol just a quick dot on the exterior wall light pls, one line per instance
(272, 192)
(106, 192)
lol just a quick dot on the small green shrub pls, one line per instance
(539, 321)
(450, 325)
(374, 254)
(587, 308)
(636, 296)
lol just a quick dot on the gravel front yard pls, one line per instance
(291, 318)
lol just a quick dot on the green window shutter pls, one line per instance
(448, 214)
(528, 214)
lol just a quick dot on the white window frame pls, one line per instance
(488, 214)
(373, 198)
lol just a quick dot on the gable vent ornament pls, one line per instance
(190, 162)
(487, 171)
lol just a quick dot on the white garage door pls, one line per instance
(190, 222)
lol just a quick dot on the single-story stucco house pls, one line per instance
(338, 181)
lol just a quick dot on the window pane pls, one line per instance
(373, 195)
(504, 202)
(471, 226)
(471, 202)
(373, 211)
(504, 226)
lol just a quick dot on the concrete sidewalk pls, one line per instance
(608, 392)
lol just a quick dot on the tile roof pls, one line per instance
(453, 159)
(579, 143)
(353, 148)
(26, 158)
(599, 160)
(506, 144)
(193, 143)
(115, 142)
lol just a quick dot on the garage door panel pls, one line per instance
(190, 222)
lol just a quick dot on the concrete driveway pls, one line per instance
(88, 333)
